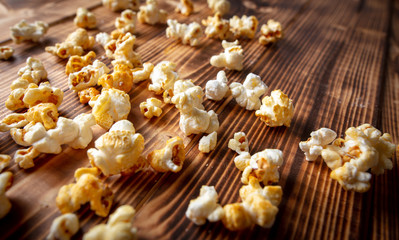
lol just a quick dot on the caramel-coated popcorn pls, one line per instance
(208, 143)
(85, 19)
(317, 142)
(121, 78)
(244, 26)
(33, 72)
(187, 34)
(247, 94)
(163, 78)
(87, 77)
(86, 95)
(236, 217)
(219, 6)
(24, 31)
(142, 73)
(151, 107)
(217, 27)
(217, 89)
(239, 143)
(271, 32)
(118, 5)
(6, 179)
(76, 63)
(4, 161)
(151, 13)
(231, 58)
(185, 7)
(6, 52)
(64, 227)
(45, 113)
(169, 158)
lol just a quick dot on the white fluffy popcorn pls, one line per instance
(241, 161)
(219, 6)
(6, 179)
(205, 207)
(118, 5)
(64, 227)
(163, 78)
(271, 32)
(199, 121)
(317, 142)
(231, 58)
(169, 158)
(126, 22)
(151, 107)
(87, 77)
(4, 161)
(143, 73)
(185, 7)
(187, 96)
(351, 178)
(151, 13)
(217, 89)
(24, 31)
(85, 19)
(187, 34)
(247, 94)
(208, 143)
(217, 27)
(239, 143)
(33, 72)
(6, 52)
(244, 26)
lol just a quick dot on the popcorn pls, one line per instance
(247, 94)
(85, 19)
(45, 113)
(24, 31)
(126, 22)
(64, 227)
(141, 74)
(169, 158)
(187, 96)
(124, 53)
(239, 143)
(75, 44)
(236, 217)
(217, 89)
(242, 160)
(271, 32)
(199, 121)
(205, 206)
(6, 179)
(4, 161)
(217, 27)
(88, 94)
(121, 78)
(163, 78)
(107, 42)
(6, 52)
(119, 150)
(208, 143)
(351, 178)
(33, 72)
(219, 6)
(276, 110)
(244, 26)
(151, 14)
(117, 5)
(119, 226)
(24, 157)
(232, 58)
(110, 106)
(13, 120)
(188, 34)
(317, 142)
(76, 63)
(185, 7)
(88, 188)
(151, 107)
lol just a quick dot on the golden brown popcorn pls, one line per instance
(351, 178)
(64, 227)
(6, 52)
(87, 94)
(271, 32)
(124, 53)
(151, 107)
(119, 150)
(163, 78)
(76, 63)
(187, 34)
(217, 27)
(143, 73)
(88, 188)
(118, 5)
(126, 22)
(236, 217)
(169, 158)
(33, 72)
(247, 94)
(85, 19)
(75, 44)
(205, 206)
(217, 89)
(45, 113)
(87, 77)
(151, 13)
(231, 58)
(317, 142)
(13, 120)
(185, 7)
(4, 161)
(110, 106)
(107, 42)
(118, 227)
(24, 157)
(276, 110)
(121, 78)
(24, 31)
(6, 179)
(219, 6)
(239, 143)
(244, 26)
(208, 143)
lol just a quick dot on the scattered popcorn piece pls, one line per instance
(247, 94)
(64, 227)
(124, 53)
(141, 74)
(276, 110)
(6, 179)
(217, 27)
(24, 157)
(242, 160)
(217, 89)
(351, 178)
(13, 120)
(187, 96)
(85, 19)
(163, 78)
(24, 31)
(75, 44)
(244, 26)
(126, 22)
(239, 143)
(151, 107)
(121, 78)
(219, 6)
(208, 143)
(4, 161)
(188, 34)
(45, 113)
(87, 94)
(185, 7)
(110, 106)
(271, 32)
(205, 206)
(199, 121)
(317, 142)
(169, 158)
(107, 42)
(232, 58)
(76, 63)
(119, 150)
(118, 5)
(236, 217)
(151, 14)
(33, 72)
(88, 188)
(6, 52)
(118, 227)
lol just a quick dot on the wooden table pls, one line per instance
(338, 62)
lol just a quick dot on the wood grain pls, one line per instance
(339, 64)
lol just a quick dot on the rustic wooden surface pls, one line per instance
(339, 62)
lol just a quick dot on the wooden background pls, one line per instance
(338, 62)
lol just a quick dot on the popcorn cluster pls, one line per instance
(24, 31)
(187, 34)
(231, 58)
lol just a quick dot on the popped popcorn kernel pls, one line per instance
(124, 53)
(205, 207)
(151, 107)
(151, 13)
(33, 72)
(276, 110)
(231, 58)
(24, 157)
(4, 161)
(88, 94)
(244, 26)
(13, 120)
(118, 5)
(76, 63)
(85, 19)
(64, 227)
(121, 78)
(242, 160)
(351, 178)
(217, 89)
(185, 7)
(219, 6)
(187, 96)
(163, 78)
(169, 158)
(236, 217)
(198, 121)
(6, 179)
(126, 22)
(142, 73)
(208, 143)
(217, 27)
(271, 32)
(6, 52)
(24, 31)
(239, 143)
(87, 189)
(247, 94)
(187, 34)
(317, 142)
(45, 113)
